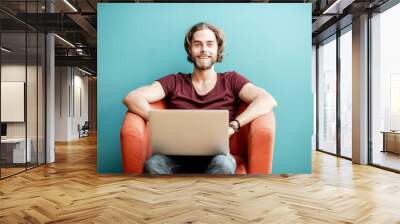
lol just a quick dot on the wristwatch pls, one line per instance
(236, 128)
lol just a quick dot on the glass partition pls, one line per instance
(13, 103)
(327, 96)
(22, 63)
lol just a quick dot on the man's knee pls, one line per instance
(222, 164)
(157, 164)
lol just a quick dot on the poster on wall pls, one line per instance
(197, 89)
(12, 101)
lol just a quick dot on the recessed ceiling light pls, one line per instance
(64, 40)
(337, 7)
(5, 50)
(84, 71)
(70, 5)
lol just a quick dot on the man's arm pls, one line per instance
(260, 103)
(138, 100)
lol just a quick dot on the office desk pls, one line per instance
(15, 148)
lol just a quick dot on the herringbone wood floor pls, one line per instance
(70, 191)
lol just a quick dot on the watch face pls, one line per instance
(234, 128)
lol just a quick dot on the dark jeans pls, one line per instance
(163, 164)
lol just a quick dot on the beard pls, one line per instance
(204, 64)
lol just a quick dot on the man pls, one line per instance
(202, 89)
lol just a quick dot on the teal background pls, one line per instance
(270, 44)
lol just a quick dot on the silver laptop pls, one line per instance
(189, 132)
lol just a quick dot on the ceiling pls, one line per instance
(76, 22)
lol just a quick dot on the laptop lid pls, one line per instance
(189, 132)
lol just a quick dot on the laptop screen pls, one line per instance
(3, 129)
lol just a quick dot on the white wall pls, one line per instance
(71, 94)
(80, 104)
(62, 81)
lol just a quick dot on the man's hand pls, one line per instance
(230, 131)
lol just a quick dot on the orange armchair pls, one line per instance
(252, 147)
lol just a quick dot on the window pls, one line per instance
(385, 88)
(346, 93)
(327, 96)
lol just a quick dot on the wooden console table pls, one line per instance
(391, 141)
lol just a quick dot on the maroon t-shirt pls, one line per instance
(180, 93)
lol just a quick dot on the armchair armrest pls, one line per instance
(134, 143)
(261, 139)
